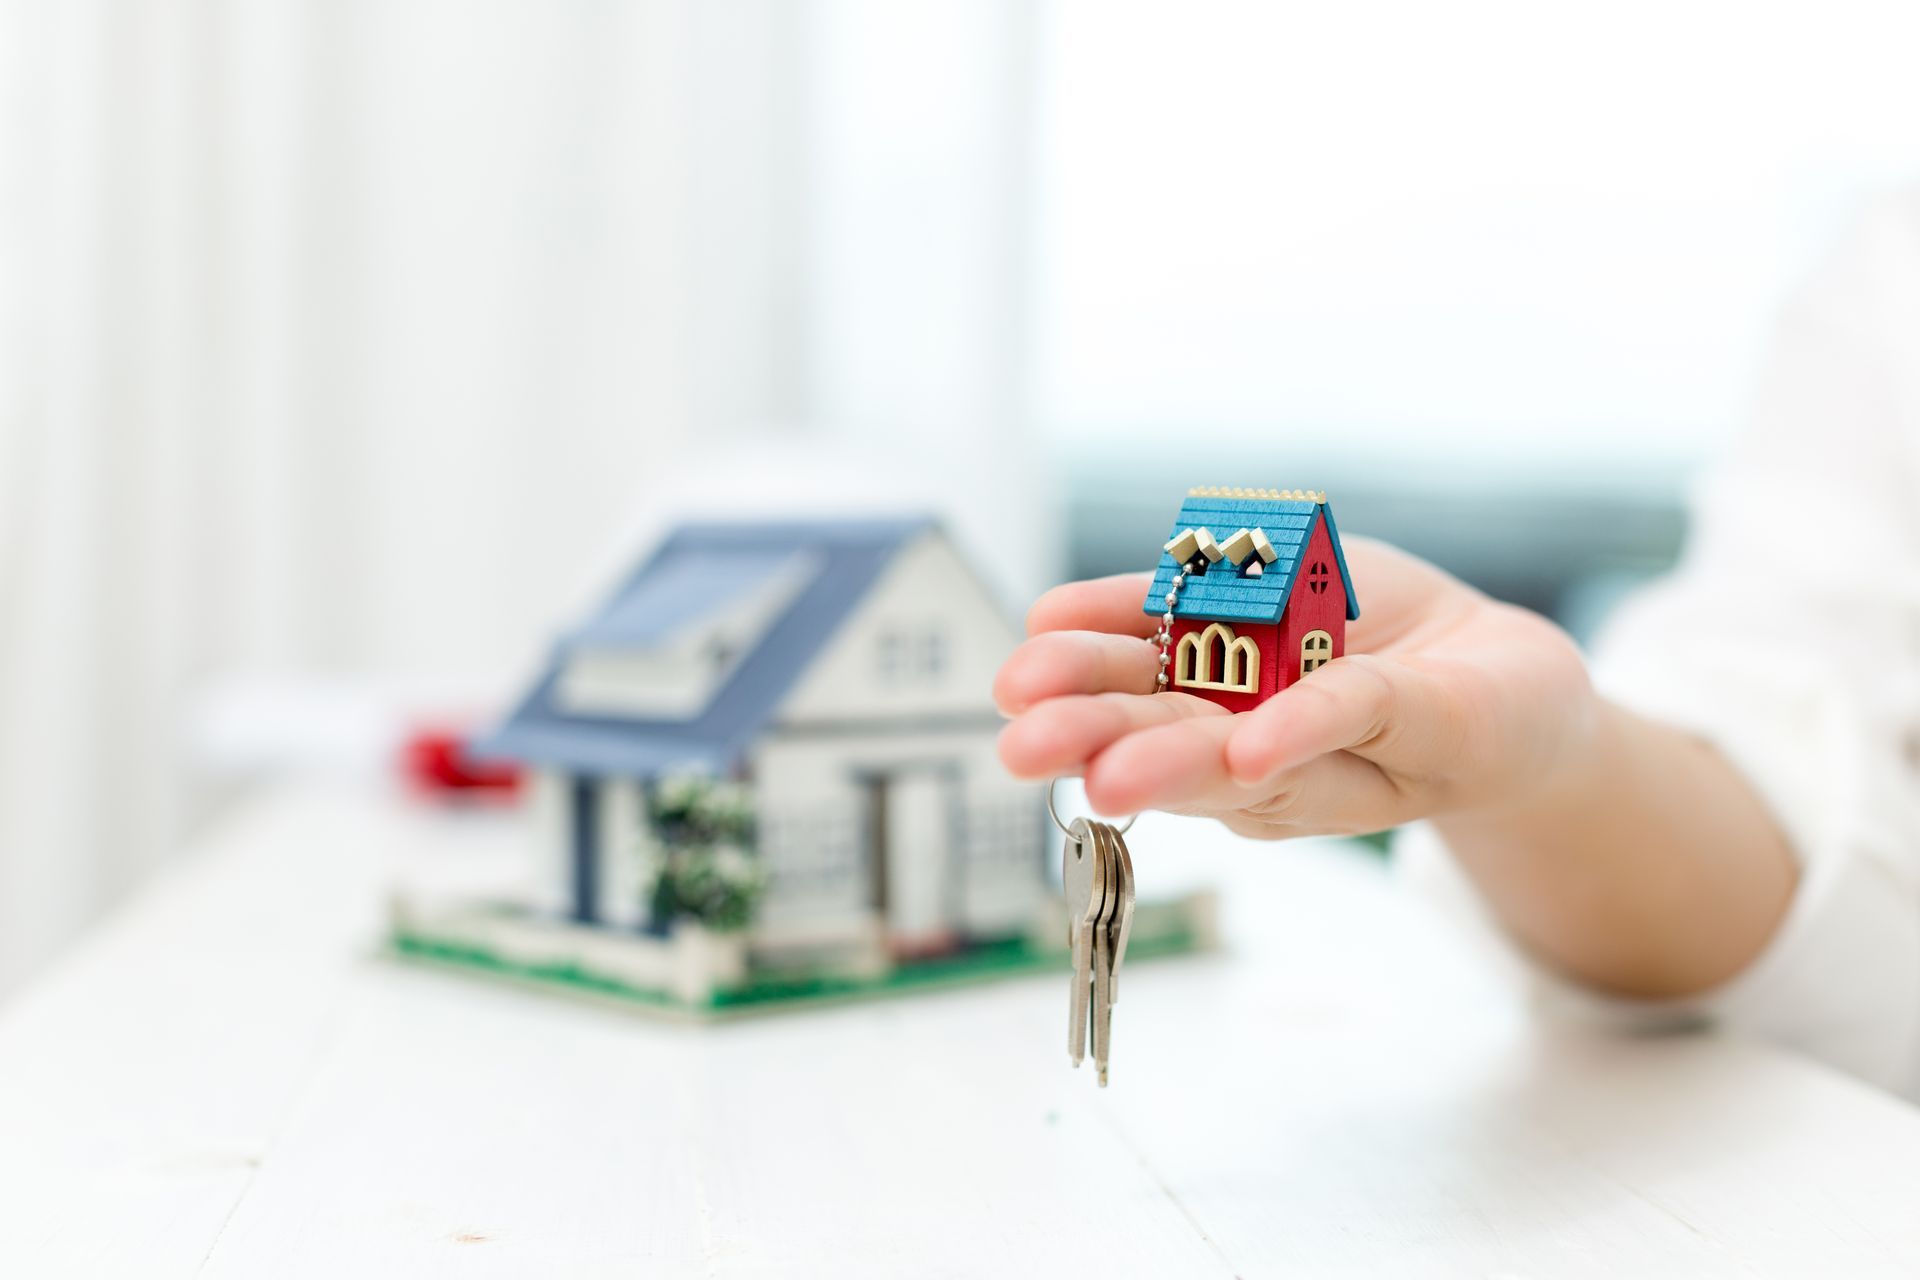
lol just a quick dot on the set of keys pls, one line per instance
(1097, 872)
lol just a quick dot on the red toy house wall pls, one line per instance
(1264, 634)
(1308, 611)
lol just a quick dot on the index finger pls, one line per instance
(1113, 604)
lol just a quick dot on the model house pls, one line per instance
(835, 677)
(1265, 597)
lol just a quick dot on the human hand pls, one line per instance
(1446, 700)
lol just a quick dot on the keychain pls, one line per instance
(1241, 618)
(1244, 615)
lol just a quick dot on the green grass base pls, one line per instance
(982, 962)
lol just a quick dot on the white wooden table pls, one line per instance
(224, 1081)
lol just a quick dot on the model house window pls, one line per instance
(1216, 652)
(1316, 651)
(910, 655)
(1194, 550)
(1250, 550)
(814, 852)
(1217, 659)
(1317, 581)
(1003, 833)
(1185, 661)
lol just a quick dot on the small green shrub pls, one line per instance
(719, 887)
(708, 871)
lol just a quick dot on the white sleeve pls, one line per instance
(1789, 637)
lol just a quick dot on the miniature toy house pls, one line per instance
(1266, 598)
(839, 673)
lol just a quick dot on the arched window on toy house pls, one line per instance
(1316, 651)
(1242, 672)
(1186, 660)
(1216, 654)
(1217, 659)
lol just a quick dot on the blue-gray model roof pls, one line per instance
(1221, 593)
(696, 570)
(698, 581)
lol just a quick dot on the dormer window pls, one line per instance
(676, 638)
(1195, 551)
(1250, 551)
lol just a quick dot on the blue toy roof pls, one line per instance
(1222, 593)
(696, 571)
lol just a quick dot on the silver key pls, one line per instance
(1103, 959)
(1121, 913)
(1110, 944)
(1083, 875)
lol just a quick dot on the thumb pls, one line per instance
(1361, 703)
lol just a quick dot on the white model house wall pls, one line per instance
(966, 853)
(625, 849)
(923, 645)
(901, 694)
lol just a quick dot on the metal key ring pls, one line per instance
(1054, 813)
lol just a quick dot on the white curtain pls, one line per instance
(346, 338)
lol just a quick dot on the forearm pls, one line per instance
(1647, 868)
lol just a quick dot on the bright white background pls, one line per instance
(349, 345)
(1543, 232)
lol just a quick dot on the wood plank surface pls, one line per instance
(226, 1081)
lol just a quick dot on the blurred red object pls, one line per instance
(436, 763)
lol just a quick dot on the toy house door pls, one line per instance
(912, 860)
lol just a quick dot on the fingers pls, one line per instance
(1056, 663)
(1060, 735)
(1112, 604)
(1360, 703)
(1182, 767)
(1336, 794)
(1180, 753)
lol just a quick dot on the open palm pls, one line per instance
(1445, 700)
